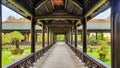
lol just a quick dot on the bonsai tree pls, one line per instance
(103, 50)
(15, 38)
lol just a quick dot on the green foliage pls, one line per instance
(10, 37)
(92, 48)
(40, 37)
(103, 51)
(8, 57)
(99, 36)
(79, 37)
(95, 54)
(92, 40)
(6, 38)
(16, 35)
(60, 37)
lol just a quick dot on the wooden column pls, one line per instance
(48, 36)
(43, 36)
(0, 33)
(75, 36)
(96, 36)
(54, 40)
(84, 35)
(68, 37)
(28, 36)
(102, 35)
(51, 38)
(71, 37)
(36, 37)
(115, 33)
(81, 37)
(33, 35)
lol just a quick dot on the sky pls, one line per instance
(8, 12)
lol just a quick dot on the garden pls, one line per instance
(11, 50)
(99, 48)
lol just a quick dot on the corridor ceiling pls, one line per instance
(58, 15)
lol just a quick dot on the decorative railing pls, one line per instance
(89, 61)
(27, 61)
(92, 62)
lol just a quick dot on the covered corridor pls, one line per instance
(64, 17)
(59, 56)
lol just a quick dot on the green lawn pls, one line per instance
(7, 57)
(96, 55)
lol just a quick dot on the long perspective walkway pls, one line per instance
(59, 56)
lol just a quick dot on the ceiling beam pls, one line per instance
(99, 4)
(59, 24)
(39, 3)
(66, 2)
(20, 7)
(52, 4)
(46, 8)
(101, 9)
(58, 17)
(80, 2)
(72, 7)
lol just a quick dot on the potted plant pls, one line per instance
(15, 38)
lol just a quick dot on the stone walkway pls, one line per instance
(59, 56)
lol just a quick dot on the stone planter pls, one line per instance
(17, 51)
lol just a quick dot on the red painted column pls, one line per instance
(43, 36)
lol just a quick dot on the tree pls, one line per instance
(6, 38)
(15, 37)
(92, 40)
(10, 18)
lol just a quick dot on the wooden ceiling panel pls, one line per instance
(77, 10)
(28, 4)
(69, 6)
(74, 8)
(49, 5)
(41, 10)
